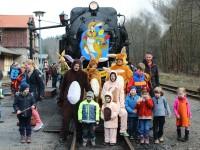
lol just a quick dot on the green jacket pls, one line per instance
(88, 112)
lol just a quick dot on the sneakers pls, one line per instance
(112, 144)
(142, 140)
(93, 142)
(84, 142)
(131, 138)
(38, 127)
(124, 134)
(161, 139)
(156, 141)
(105, 144)
(28, 139)
(23, 140)
(146, 140)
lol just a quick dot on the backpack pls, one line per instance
(14, 73)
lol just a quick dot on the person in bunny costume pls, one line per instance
(75, 82)
(117, 90)
(121, 65)
(94, 77)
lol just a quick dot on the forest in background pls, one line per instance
(176, 46)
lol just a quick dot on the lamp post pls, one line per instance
(40, 14)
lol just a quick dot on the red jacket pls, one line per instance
(145, 109)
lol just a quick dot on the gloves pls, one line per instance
(80, 121)
(97, 122)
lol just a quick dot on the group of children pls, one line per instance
(141, 111)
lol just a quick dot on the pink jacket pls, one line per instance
(176, 103)
(113, 123)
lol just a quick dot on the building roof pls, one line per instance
(14, 21)
(8, 51)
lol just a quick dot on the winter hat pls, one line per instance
(23, 86)
(90, 94)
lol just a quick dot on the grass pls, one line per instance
(180, 80)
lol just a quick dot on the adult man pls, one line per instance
(151, 69)
(75, 81)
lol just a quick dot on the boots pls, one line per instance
(179, 134)
(186, 138)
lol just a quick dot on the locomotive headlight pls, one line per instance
(93, 6)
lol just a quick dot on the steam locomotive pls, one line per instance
(94, 31)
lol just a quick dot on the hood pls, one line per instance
(109, 94)
(113, 72)
(76, 61)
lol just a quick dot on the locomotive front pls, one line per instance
(94, 31)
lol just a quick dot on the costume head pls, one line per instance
(120, 58)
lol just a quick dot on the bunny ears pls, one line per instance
(68, 57)
(122, 55)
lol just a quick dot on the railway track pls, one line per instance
(125, 144)
(190, 93)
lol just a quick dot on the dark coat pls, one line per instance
(153, 72)
(23, 102)
(1, 75)
(36, 84)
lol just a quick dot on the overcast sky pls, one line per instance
(54, 7)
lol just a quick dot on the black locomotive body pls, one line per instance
(94, 30)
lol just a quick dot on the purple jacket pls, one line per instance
(176, 103)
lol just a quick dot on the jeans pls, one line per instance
(133, 126)
(144, 127)
(88, 130)
(24, 125)
(158, 124)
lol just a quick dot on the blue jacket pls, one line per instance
(130, 104)
(161, 107)
(88, 112)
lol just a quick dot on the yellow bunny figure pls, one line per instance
(63, 64)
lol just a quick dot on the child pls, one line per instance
(130, 103)
(88, 115)
(160, 110)
(183, 114)
(109, 113)
(138, 80)
(144, 110)
(24, 103)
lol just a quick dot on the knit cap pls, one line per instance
(23, 86)
(90, 94)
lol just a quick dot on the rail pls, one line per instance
(73, 144)
(129, 144)
(190, 93)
